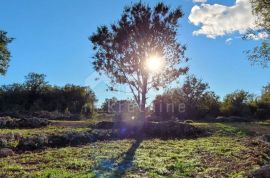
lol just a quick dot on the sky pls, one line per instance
(51, 37)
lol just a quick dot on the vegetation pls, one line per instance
(194, 100)
(225, 138)
(261, 54)
(37, 95)
(237, 103)
(143, 33)
(191, 100)
(4, 52)
(206, 156)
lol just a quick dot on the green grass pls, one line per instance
(232, 151)
(154, 158)
(237, 129)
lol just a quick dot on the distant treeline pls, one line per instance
(194, 100)
(35, 94)
(191, 100)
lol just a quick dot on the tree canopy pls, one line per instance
(261, 54)
(192, 99)
(237, 103)
(4, 52)
(35, 94)
(122, 49)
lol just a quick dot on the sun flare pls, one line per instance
(154, 64)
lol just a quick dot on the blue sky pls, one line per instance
(52, 38)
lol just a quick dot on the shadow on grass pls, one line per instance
(110, 167)
(117, 167)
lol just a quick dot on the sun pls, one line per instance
(154, 64)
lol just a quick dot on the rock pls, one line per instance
(71, 139)
(3, 143)
(263, 172)
(81, 138)
(8, 122)
(105, 125)
(17, 136)
(33, 122)
(266, 138)
(172, 130)
(58, 140)
(33, 143)
(4, 152)
(188, 121)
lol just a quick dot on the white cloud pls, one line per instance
(259, 36)
(229, 41)
(200, 1)
(218, 20)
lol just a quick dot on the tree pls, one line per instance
(209, 104)
(35, 94)
(35, 82)
(122, 49)
(191, 100)
(262, 104)
(107, 104)
(261, 54)
(237, 103)
(4, 52)
(198, 99)
(192, 91)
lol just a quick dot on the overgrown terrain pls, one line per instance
(232, 150)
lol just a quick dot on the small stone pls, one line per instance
(266, 138)
(263, 172)
(4, 152)
(3, 143)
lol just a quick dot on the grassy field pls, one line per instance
(232, 150)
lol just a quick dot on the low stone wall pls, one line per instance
(12, 123)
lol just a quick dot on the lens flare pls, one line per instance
(154, 64)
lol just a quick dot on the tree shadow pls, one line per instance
(118, 166)
(128, 158)
(110, 168)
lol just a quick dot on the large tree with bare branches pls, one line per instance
(140, 50)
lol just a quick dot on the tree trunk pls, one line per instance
(142, 108)
(143, 100)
